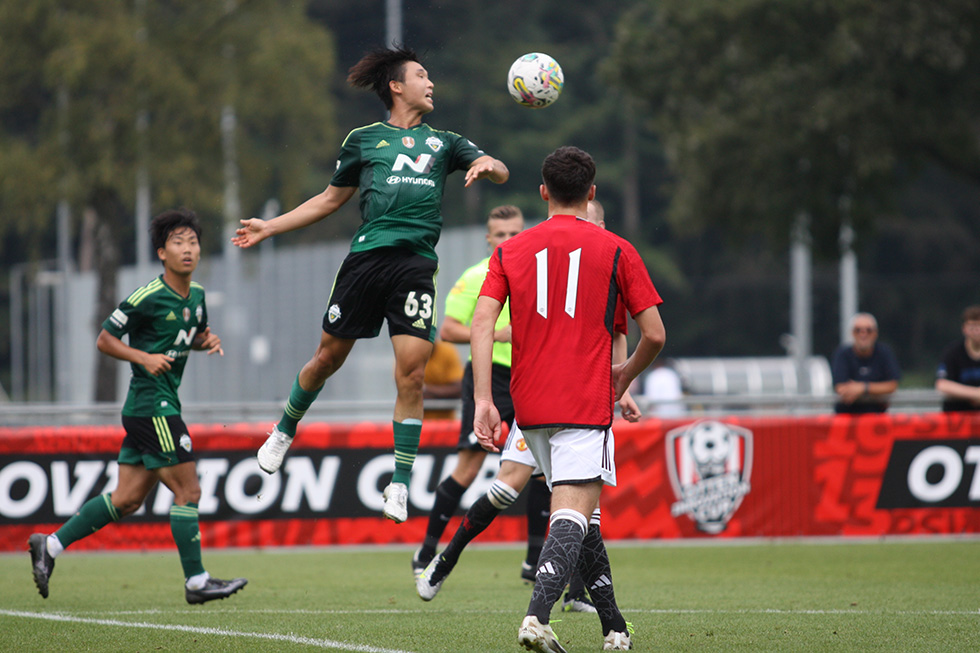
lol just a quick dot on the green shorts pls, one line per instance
(155, 442)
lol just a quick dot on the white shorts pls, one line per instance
(574, 455)
(517, 451)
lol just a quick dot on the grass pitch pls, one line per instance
(910, 595)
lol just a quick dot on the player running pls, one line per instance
(164, 320)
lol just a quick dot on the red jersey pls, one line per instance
(563, 278)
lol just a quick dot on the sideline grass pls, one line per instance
(863, 596)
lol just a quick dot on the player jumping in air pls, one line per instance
(400, 166)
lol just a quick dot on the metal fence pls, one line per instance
(380, 409)
(265, 304)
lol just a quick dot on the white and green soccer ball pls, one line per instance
(535, 80)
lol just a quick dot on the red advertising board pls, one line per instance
(686, 478)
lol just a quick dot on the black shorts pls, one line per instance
(500, 386)
(155, 442)
(388, 283)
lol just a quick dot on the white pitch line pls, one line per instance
(661, 611)
(841, 611)
(294, 639)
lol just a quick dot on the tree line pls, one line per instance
(715, 123)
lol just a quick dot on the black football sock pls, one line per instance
(538, 512)
(558, 557)
(593, 563)
(448, 495)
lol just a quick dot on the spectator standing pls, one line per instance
(958, 376)
(865, 372)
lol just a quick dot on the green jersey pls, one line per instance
(159, 321)
(461, 304)
(401, 174)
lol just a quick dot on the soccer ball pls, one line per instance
(535, 80)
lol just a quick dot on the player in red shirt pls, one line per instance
(563, 279)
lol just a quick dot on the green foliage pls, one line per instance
(79, 80)
(768, 108)
(858, 596)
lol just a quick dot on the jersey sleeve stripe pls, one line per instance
(610, 317)
(142, 293)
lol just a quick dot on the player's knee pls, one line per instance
(468, 465)
(410, 380)
(325, 362)
(465, 474)
(126, 505)
(187, 495)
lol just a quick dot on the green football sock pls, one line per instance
(407, 436)
(187, 536)
(96, 513)
(298, 403)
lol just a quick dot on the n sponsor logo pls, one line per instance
(185, 337)
(422, 164)
(709, 465)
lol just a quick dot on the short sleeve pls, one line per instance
(349, 163)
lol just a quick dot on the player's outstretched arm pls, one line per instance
(110, 345)
(255, 230)
(487, 167)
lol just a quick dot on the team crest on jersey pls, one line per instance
(434, 142)
(408, 141)
(333, 314)
(187, 314)
(199, 312)
(709, 464)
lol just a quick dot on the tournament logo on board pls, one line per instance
(709, 464)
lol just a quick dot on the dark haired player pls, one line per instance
(400, 166)
(563, 279)
(164, 320)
